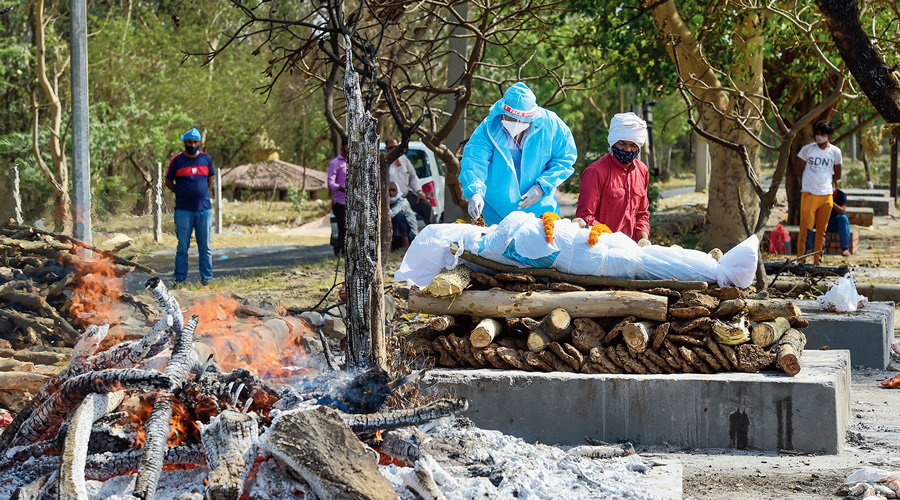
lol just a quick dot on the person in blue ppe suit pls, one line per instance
(516, 158)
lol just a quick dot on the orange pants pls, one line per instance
(814, 209)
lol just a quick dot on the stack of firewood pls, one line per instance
(40, 273)
(525, 323)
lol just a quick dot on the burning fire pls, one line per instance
(96, 292)
(271, 349)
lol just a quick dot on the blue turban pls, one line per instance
(519, 103)
(191, 134)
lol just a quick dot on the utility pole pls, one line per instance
(81, 154)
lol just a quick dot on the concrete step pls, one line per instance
(867, 333)
(759, 411)
(880, 204)
(884, 193)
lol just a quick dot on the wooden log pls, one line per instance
(599, 357)
(566, 356)
(629, 361)
(685, 340)
(695, 298)
(790, 348)
(658, 360)
(74, 457)
(614, 357)
(727, 293)
(553, 360)
(535, 361)
(323, 450)
(485, 279)
(493, 357)
(730, 355)
(637, 335)
(581, 279)
(485, 332)
(577, 355)
(733, 332)
(752, 358)
(720, 356)
(798, 322)
(587, 334)
(512, 357)
(616, 330)
(684, 326)
(516, 343)
(441, 323)
(730, 308)
(695, 361)
(554, 327)
(566, 287)
(688, 312)
(768, 332)
(659, 335)
(449, 282)
(498, 302)
(675, 352)
(707, 356)
(674, 295)
(226, 439)
(514, 277)
(445, 357)
(765, 310)
(22, 381)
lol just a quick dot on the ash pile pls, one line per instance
(517, 321)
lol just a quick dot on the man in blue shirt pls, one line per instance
(190, 176)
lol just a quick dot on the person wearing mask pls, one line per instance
(818, 166)
(190, 176)
(403, 174)
(403, 219)
(337, 183)
(838, 223)
(613, 189)
(516, 158)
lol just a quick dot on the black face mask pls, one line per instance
(624, 157)
(191, 150)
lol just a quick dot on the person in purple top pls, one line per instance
(190, 176)
(337, 183)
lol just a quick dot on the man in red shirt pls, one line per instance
(614, 188)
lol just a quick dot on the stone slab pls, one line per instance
(883, 193)
(759, 411)
(867, 333)
(881, 205)
(860, 216)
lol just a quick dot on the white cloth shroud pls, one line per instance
(519, 240)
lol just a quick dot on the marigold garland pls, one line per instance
(548, 218)
(596, 231)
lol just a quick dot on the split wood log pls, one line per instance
(714, 348)
(496, 302)
(157, 432)
(700, 325)
(535, 361)
(691, 357)
(629, 361)
(554, 327)
(695, 298)
(733, 332)
(599, 357)
(708, 358)
(752, 358)
(688, 312)
(727, 293)
(616, 330)
(648, 363)
(516, 343)
(367, 423)
(554, 361)
(637, 335)
(798, 322)
(493, 357)
(30, 382)
(765, 310)
(441, 323)
(226, 439)
(445, 352)
(485, 332)
(730, 308)
(790, 348)
(166, 302)
(581, 279)
(768, 332)
(566, 356)
(514, 277)
(72, 485)
(587, 334)
(730, 355)
(449, 282)
(603, 450)
(613, 356)
(512, 357)
(659, 335)
(485, 279)
(685, 340)
(674, 295)
(566, 287)
(658, 360)
(675, 352)
(319, 446)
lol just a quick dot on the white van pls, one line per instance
(431, 174)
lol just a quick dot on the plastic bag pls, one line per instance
(842, 296)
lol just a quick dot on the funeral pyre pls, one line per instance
(540, 319)
(156, 416)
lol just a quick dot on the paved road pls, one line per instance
(237, 261)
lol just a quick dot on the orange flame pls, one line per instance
(97, 289)
(270, 349)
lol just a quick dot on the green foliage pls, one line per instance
(690, 241)
(296, 197)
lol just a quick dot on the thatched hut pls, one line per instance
(273, 178)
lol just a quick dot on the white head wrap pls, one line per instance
(627, 127)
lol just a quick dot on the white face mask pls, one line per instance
(515, 128)
(395, 199)
(821, 139)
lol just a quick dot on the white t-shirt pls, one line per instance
(819, 170)
(404, 176)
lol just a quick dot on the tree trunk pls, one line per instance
(876, 78)
(765, 310)
(767, 333)
(487, 330)
(364, 274)
(487, 303)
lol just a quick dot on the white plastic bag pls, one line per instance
(842, 296)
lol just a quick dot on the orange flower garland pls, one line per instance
(548, 218)
(596, 231)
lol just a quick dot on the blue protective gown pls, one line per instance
(548, 156)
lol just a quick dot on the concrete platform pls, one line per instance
(883, 193)
(758, 411)
(867, 333)
(880, 204)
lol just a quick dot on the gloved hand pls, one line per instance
(476, 204)
(532, 196)
(644, 243)
(581, 223)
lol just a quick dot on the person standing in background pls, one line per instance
(818, 165)
(337, 183)
(190, 176)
